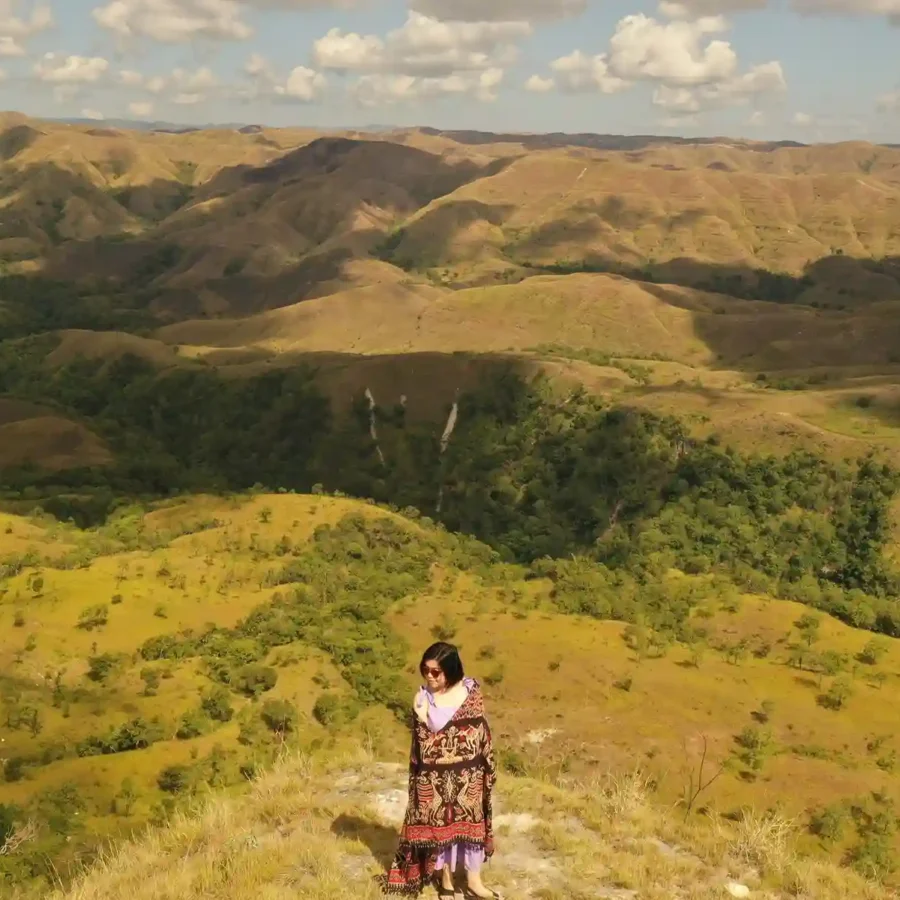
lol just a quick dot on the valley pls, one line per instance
(279, 406)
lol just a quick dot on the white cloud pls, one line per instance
(92, 114)
(424, 47)
(141, 109)
(130, 78)
(10, 47)
(889, 8)
(424, 58)
(802, 119)
(348, 51)
(767, 78)
(380, 90)
(889, 102)
(578, 72)
(757, 118)
(539, 85)
(757, 82)
(692, 70)
(676, 99)
(187, 87)
(174, 21)
(672, 52)
(258, 66)
(499, 10)
(689, 9)
(201, 79)
(57, 69)
(14, 29)
(303, 85)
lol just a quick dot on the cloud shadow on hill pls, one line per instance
(807, 319)
(165, 227)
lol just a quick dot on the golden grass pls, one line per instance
(109, 345)
(545, 686)
(294, 834)
(557, 705)
(597, 311)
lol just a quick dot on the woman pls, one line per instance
(451, 777)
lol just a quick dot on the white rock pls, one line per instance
(391, 806)
(538, 737)
(516, 822)
(737, 890)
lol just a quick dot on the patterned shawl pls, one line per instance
(451, 779)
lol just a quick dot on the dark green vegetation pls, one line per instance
(31, 306)
(533, 474)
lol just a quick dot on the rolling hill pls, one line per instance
(250, 248)
(639, 395)
(167, 653)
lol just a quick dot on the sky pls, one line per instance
(804, 70)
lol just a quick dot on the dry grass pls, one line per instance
(762, 839)
(51, 442)
(311, 829)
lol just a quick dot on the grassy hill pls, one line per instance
(625, 414)
(246, 250)
(183, 649)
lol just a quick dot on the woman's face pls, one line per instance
(434, 675)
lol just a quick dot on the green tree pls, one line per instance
(174, 779)
(808, 625)
(93, 617)
(280, 716)
(216, 704)
(254, 679)
(838, 694)
(756, 747)
(126, 798)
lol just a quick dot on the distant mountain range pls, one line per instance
(180, 127)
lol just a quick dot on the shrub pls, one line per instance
(254, 680)
(837, 695)
(174, 779)
(873, 652)
(193, 724)
(217, 705)
(280, 716)
(102, 667)
(829, 822)
(335, 710)
(93, 617)
(756, 747)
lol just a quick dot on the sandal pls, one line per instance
(468, 895)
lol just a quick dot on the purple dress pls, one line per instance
(472, 855)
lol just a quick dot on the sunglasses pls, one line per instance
(434, 673)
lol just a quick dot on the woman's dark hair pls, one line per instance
(447, 657)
